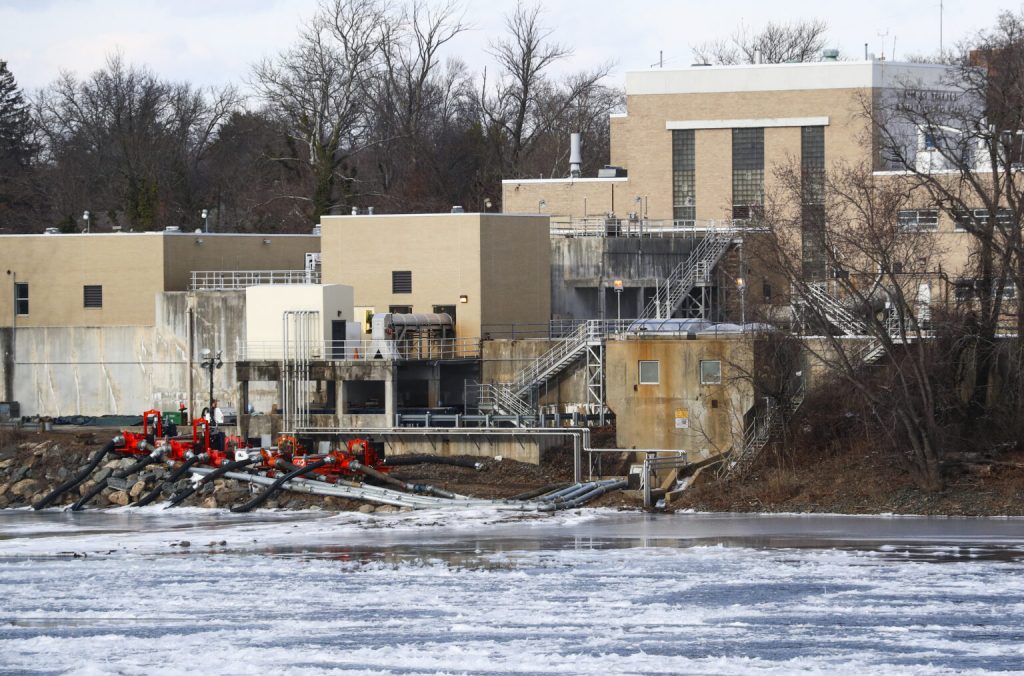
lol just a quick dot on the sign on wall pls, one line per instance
(682, 419)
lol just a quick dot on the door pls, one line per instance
(338, 327)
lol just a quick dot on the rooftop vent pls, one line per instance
(611, 172)
(52, 231)
(458, 209)
(575, 155)
(172, 228)
(830, 55)
(316, 230)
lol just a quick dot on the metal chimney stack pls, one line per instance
(575, 156)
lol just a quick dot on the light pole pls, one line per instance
(617, 284)
(206, 222)
(210, 363)
(540, 205)
(741, 284)
(85, 217)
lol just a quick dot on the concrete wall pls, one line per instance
(232, 251)
(62, 371)
(265, 306)
(495, 260)
(571, 197)
(128, 266)
(679, 412)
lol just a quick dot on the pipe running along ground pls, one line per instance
(400, 460)
(141, 464)
(415, 488)
(81, 476)
(215, 474)
(170, 480)
(260, 498)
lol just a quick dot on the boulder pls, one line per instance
(4, 488)
(137, 489)
(119, 498)
(210, 502)
(385, 509)
(366, 509)
(227, 497)
(25, 488)
(19, 474)
(102, 474)
(86, 486)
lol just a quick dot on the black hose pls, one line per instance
(169, 481)
(259, 499)
(128, 471)
(550, 488)
(74, 481)
(398, 460)
(215, 474)
(414, 488)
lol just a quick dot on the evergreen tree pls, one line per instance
(17, 148)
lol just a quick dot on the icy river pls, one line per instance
(594, 592)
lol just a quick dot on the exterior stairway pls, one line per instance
(514, 398)
(696, 269)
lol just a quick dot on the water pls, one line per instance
(588, 591)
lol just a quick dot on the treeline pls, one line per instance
(362, 110)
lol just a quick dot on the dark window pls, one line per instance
(400, 309)
(21, 298)
(684, 197)
(649, 372)
(812, 198)
(979, 218)
(747, 171)
(766, 291)
(401, 281)
(92, 295)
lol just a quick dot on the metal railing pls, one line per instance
(601, 226)
(694, 270)
(654, 463)
(363, 350)
(226, 280)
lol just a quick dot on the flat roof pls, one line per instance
(784, 77)
(156, 233)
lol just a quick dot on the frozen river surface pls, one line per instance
(591, 592)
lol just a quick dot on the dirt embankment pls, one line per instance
(863, 481)
(32, 464)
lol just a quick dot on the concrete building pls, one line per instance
(95, 324)
(484, 270)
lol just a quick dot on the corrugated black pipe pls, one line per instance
(539, 491)
(81, 476)
(399, 460)
(215, 474)
(131, 469)
(260, 498)
(415, 488)
(169, 481)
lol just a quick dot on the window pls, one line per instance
(401, 281)
(913, 220)
(747, 171)
(649, 374)
(978, 218)
(21, 298)
(400, 309)
(92, 295)
(684, 198)
(710, 372)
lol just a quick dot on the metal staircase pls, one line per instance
(762, 429)
(588, 338)
(696, 269)
(832, 311)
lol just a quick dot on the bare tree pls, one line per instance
(958, 141)
(871, 307)
(775, 43)
(318, 87)
(129, 146)
(525, 102)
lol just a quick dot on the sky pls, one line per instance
(215, 42)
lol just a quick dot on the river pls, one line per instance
(589, 591)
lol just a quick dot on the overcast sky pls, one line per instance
(213, 42)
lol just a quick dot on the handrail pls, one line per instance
(688, 273)
(223, 280)
(363, 350)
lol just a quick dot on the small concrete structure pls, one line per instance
(674, 392)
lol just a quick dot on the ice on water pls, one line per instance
(583, 592)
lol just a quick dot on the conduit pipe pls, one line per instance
(81, 476)
(279, 482)
(142, 463)
(213, 474)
